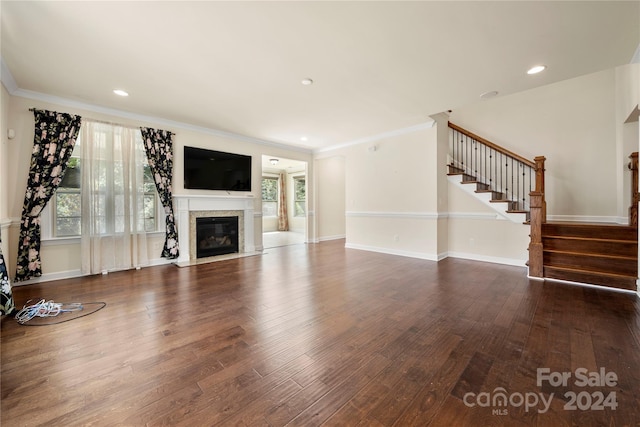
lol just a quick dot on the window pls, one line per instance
(67, 199)
(109, 207)
(150, 200)
(269, 196)
(300, 196)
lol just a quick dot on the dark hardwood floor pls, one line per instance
(322, 335)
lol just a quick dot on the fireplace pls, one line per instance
(216, 236)
(189, 208)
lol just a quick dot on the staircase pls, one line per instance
(598, 254)
(499, 201)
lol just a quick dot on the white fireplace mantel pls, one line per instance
(184, 204)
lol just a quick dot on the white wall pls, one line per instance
(5, 220)
(395, 195)
(627, 91)
(62, 259)
(477, 232)
(627, 98)
(4, 147)
(330, 197)
(390, 192)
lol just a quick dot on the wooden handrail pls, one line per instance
(492, 145)
(633, 209)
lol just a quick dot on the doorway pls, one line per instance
(284, 202)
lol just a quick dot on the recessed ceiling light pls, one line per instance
(307, 82)
(489, 94)
(120, 92)
(273, 161)
(536, 69)
(303, 138)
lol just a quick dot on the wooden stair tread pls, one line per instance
(592, 231)
(592, 254)
(610, 280)
(592, 239)
(588, 224)
(580, 270)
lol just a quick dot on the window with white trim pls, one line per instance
(62, 218)
(300, 196)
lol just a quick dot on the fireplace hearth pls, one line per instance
(216, 236)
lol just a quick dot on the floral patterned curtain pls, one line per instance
(54, 139)
(6, 297)
(283, 216)
(159, 149)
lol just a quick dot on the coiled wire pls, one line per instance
(45, 308)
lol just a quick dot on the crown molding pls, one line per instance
(165, 123)
(378, 137)
(7, 78)
(10, 84)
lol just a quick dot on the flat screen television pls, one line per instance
(216, 170)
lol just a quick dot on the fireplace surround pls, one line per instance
(189, 208)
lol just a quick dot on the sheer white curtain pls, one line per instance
(113, 229)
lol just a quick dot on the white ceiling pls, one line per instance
(237, 66)
(286, 165)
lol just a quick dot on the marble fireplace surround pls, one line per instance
(188, 208)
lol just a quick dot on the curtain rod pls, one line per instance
(109, 123)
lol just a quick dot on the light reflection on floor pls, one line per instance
(274, 239)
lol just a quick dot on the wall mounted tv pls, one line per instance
(216, 170)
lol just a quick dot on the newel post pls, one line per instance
(535, 245)
(633, 209)
(540, 184)
(538, 216)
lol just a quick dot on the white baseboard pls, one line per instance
(49, 277)
(71, 274)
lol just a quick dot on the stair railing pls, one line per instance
(510, 176)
